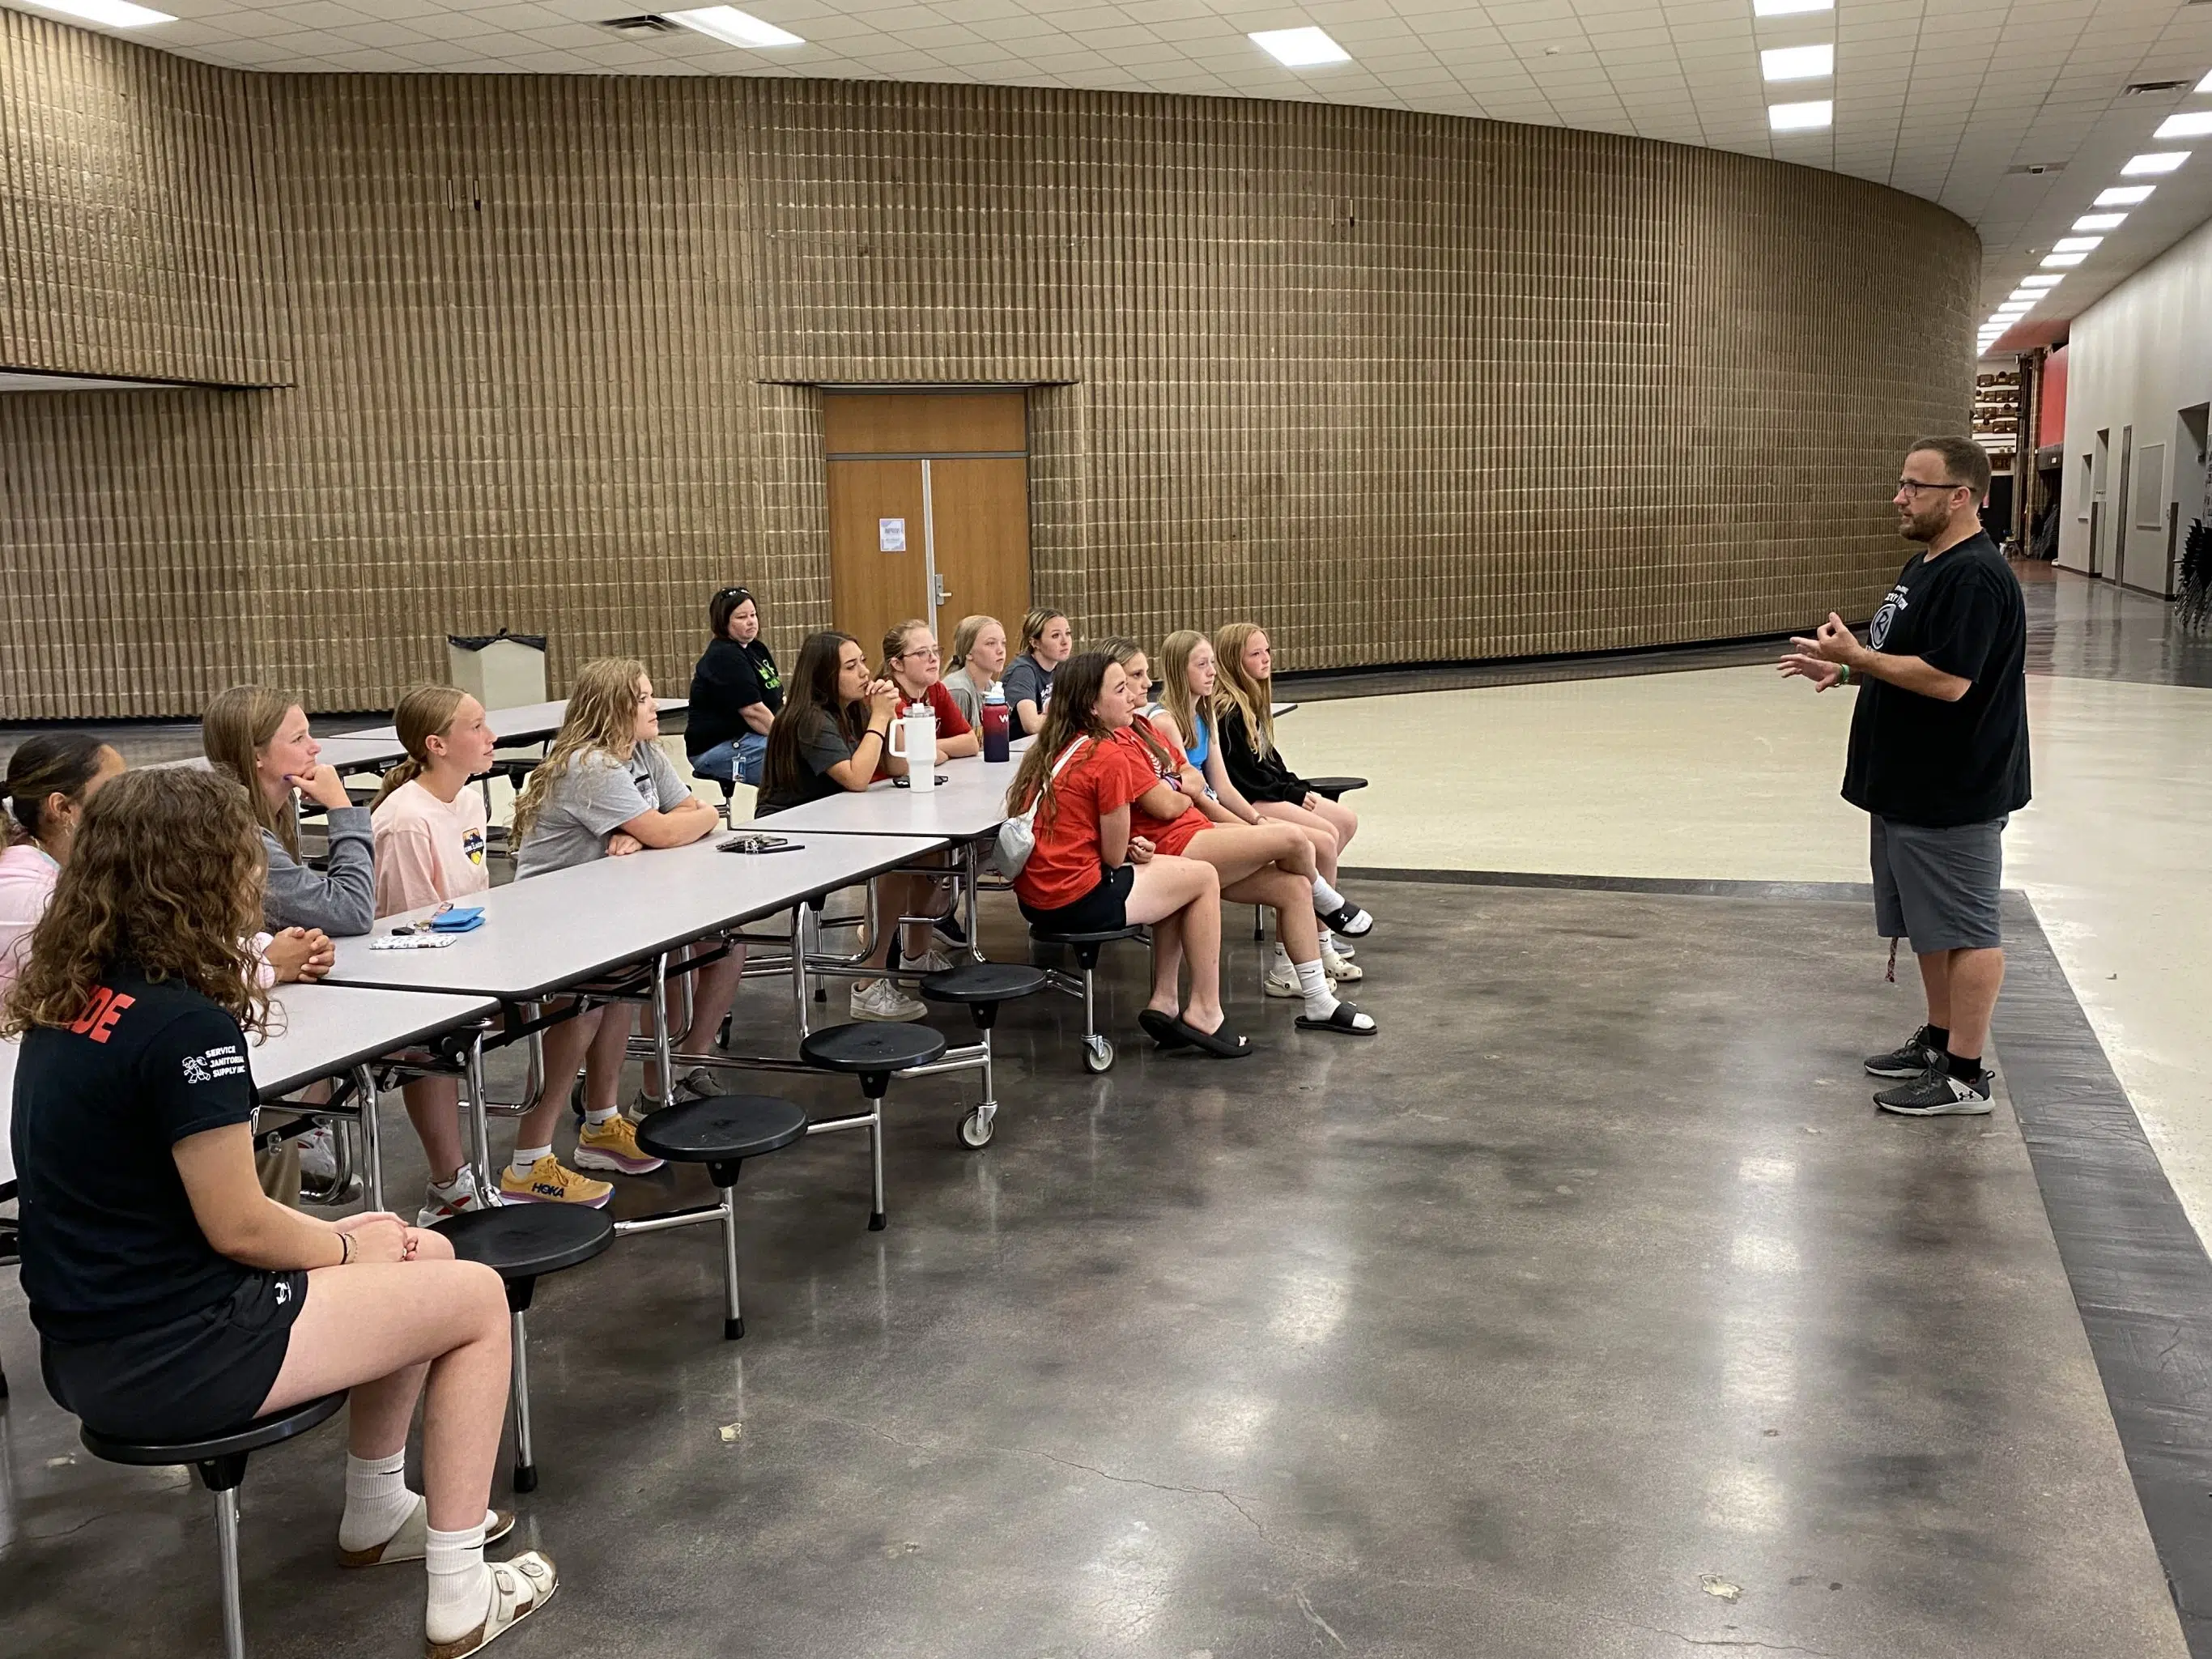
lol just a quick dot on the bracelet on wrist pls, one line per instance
(1844, 674)
(345, 1248)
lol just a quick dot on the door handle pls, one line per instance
(942, 594)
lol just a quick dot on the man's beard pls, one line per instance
(1915, 528)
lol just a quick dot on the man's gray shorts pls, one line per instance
(1939, 888)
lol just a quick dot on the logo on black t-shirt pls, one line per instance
(1898, 600)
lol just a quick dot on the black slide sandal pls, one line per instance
(1342, 1020)
(1214, 1044)
(1163, 1029)
(1341, 921)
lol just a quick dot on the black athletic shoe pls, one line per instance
(953, 930)
(1937, 1093)
(1915, 1057)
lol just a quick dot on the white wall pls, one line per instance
(2137, 358)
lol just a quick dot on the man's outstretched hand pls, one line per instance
(1822, 658)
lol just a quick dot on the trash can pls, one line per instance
(500, 671)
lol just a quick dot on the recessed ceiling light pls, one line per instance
(737, 28)
(2193, 125)
(1789, 8)
(2047, 283)
(116, 13)
(1800, 118)
(1300, 48)
(2123, 195)
(2100, 222)
(2076, 244)
(2205, 85)
(1797, 63)
(2062, 261)
(2156, 161)
(2014, 307)
(2029, 295)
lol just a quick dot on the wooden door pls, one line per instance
(950, 472)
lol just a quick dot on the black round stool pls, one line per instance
(1097, 1051)
(721, 1133)
(219, 1461)
(871, 1050)
(1335, 788)
(982, 986)
(523, 1243)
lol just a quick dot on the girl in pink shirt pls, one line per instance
(430, 829)
(49, 779)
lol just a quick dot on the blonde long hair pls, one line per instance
(964, 637)
(602, 719)
(424, 712)
(1253, 699)
(167, 875)
(237, 726)
(1184, 706)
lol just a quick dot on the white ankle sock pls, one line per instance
(1312, 980)
(1327, 939)
(460, 1583)
(601, 1116)
(525, 1157)
(1282, 956)
(377, 1500)
(1326, 900)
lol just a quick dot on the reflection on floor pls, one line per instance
(1592, 1311)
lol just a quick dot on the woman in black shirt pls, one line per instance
(1244, 705)
(735, 694)
(174, 1300)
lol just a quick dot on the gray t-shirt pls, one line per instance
(593, 798)
(966, 689)
(821, 747)
(1028, 681)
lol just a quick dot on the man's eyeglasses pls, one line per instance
(1915, 484)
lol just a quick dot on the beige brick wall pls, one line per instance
(1406, 388)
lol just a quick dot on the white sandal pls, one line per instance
(519, 1588)
(1339, 970)
(411, 1542)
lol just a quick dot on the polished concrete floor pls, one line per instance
(1592, 1311)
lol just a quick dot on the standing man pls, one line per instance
(1939, 761)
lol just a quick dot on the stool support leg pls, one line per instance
(973, 859)
(479, 1121)
(526, 1462)
(661, 1043)
(226, 1534)
(800, 945)
(876, 1155)
(1089, 1015)
(372, 1139)
(733, 1321)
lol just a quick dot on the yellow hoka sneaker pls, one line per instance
(613, 1145)
(549, 1183)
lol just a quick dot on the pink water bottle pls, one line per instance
(996, 726)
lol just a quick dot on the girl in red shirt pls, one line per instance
(1089, 873)
(912, 663)
(1270, 864)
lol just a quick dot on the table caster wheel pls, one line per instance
(975, 1131)
(1098, 1056)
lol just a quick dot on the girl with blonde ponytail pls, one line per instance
(430, 828)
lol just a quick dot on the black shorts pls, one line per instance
(203, 1375)
(1101, 910)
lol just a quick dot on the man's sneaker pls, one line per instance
(1916, 1055)
(1938, 1094)
(878, 998)
(458, 1200)
(550, 1181)
(613, 1145)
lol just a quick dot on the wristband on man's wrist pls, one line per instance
(1842, 674)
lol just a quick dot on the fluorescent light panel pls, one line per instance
(733, 28)
(2076, 245)
(2205, 85)
(2062, 261)
(2123, 196)
(116, 13)
(1798, 63)
(1300, 48)
(1789, 8)
(2156, 161)
(2194, 124)
(2047, 283)
(2100, 222)
(1800, 118)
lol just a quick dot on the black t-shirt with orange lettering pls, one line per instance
(110, 1244)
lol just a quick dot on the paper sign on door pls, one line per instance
(891, 535)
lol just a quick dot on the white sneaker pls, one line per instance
(318, 1155)
(931, 961)
(878, 998)
(1342, 972)
(466, 1197)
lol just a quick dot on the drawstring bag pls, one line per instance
(1018, 835)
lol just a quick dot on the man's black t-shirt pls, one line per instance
(110, 1244)
(1923, 761)
(730, 676)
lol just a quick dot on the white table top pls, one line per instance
(546, 934)
(323, 1030)
(971, 801)
(530, 722)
